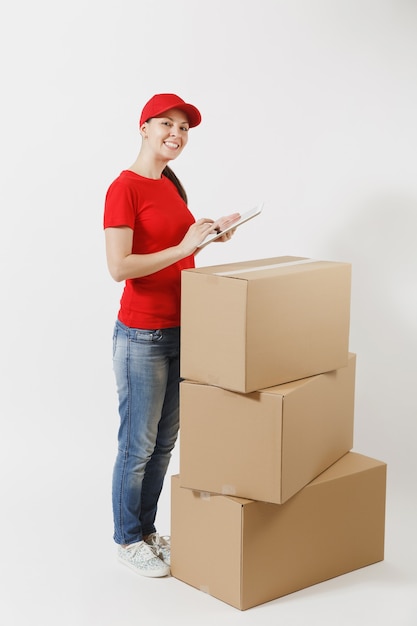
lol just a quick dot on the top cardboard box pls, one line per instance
(255, 324)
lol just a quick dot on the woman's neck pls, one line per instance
(149, 168)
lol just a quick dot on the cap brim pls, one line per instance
(193, 114)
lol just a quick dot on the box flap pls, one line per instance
(351, 463)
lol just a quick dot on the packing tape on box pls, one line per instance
(264, 267)
(228, 490)
(204, 495)
(205, 589)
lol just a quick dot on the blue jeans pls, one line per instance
(146, 366)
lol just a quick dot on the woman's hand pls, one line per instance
(196, 235)
(224, 222)
(205, 226)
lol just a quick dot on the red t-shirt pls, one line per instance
(159, 218)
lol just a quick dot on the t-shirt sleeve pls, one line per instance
(119, 206)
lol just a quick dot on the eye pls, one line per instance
(166, 123)
(185, 128)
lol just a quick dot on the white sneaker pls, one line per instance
(142, 559)
(161, 546)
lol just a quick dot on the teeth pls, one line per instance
(171, 144)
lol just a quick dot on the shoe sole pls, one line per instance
(148, 573)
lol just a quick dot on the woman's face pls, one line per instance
(167, 134)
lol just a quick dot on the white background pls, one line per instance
(308, 105)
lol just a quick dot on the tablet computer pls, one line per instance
(244, 217)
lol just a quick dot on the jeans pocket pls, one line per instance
(115, 339)
(147, 336)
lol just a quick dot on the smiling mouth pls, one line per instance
(171, 145)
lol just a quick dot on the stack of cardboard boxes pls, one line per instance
(270, 498)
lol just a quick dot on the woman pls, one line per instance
(151, 237)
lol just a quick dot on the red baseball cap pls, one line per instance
(162, 102)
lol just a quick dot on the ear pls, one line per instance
(143, 129)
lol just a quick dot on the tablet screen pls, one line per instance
(241, 220)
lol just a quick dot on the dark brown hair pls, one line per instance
(168, 173)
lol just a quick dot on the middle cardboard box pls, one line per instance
(265, 445)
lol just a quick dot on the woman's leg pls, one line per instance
(168, 427)
(142, 367)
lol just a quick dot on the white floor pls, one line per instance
(53, 574)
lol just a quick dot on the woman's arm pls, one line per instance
(123, 264)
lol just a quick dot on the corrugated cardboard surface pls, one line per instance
(246, 553)
(246, 329)
(265, 445)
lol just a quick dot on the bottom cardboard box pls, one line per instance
(246, 552)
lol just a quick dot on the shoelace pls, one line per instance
(165, 540)
(145, 550)
(159, 542)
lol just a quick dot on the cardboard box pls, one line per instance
(250, 325)
(268, 444)
(246, 553)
